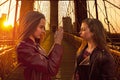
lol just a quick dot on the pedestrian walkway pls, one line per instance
(66, 69)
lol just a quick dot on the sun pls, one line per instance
(7, 24)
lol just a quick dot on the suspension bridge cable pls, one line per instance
(39, 9)
(108, 23)
(88, 8)
(67, 8)
(4, 2)
(104, 14)
(9, 9)
(73, 10)
(66, 12)
(101, 11)
(115, 21)
(112, 4)
(72, 13)
(77, 20)
(38, 5)
(96, 8)
(70, 9)
(112, 25)
(116, 18)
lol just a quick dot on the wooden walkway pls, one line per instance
(66, 69)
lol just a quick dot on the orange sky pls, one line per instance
(5, 7)
(113, 13)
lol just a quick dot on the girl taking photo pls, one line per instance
(37, 65)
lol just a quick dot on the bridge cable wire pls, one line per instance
(115, 30)
(108, 23)
(65, 12)
(114, 9)
(112, 4)
(111, 24)
(118, 14)
(88, 9)
(105, 18)
(4, 2)
(9, 9)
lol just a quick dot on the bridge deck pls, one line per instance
(67, 66)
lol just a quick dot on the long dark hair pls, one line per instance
(97, 28)
(29, 23)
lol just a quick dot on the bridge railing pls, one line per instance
(76, 42)
(8, 61)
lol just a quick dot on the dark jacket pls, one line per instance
(99, 65)
(37, 65)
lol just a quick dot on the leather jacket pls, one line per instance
(37, 65)
(101, 66)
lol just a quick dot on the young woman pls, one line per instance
(94, 61)
(38, 66)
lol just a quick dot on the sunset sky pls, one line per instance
(43, 6)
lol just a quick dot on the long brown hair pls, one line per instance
(29, 23)
(97, 28)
